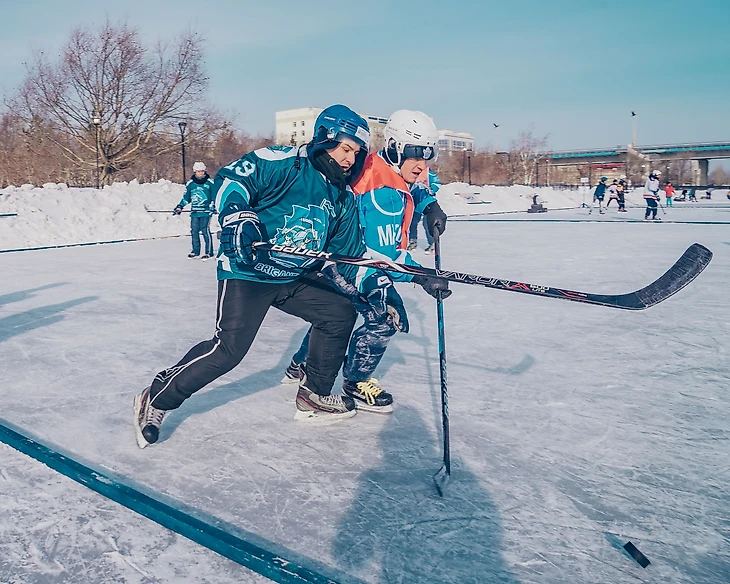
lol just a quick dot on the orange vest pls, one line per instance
(378, 174)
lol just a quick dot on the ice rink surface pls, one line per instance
(574, 428)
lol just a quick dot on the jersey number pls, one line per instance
(247, 168)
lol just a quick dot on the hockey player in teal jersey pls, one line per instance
(291, 196)
(430, 180)
(387, 195)
(199, 195)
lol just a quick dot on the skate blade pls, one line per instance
(441, 480)
(141, 441)
(374, 409)
(321, 418)
(289, 380)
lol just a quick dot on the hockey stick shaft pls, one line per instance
(684, 270)
(442, 477)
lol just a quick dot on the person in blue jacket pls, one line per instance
(433, 183)
(598, 195)
(199, 194)
(292, 196)
(387, 195)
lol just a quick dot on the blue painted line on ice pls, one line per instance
(242, 552)
(88, 243)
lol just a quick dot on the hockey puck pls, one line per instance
(640, 558)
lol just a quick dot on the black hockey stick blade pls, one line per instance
(684, 270)
(441, 480)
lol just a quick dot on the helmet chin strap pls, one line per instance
(395, 164)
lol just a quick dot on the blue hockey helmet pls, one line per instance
(337, 122)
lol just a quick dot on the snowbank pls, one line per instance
(463, 199)
(56, 214)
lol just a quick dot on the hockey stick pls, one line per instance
(442, 477)
(164, 211)
(685, 269)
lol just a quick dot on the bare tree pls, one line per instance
(109, 91)
(718, 176)
(524, 154)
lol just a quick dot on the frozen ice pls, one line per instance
(574, 428)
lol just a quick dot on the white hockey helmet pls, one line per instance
(198, 166)
(656, 172)
(410, 134)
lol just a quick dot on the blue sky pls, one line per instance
(570, 69)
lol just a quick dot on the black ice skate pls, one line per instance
(369, 396)
(323, 409)
(192, 255)
(412, 245)
(147, 420)
(205, 257)
(429, 249)
(291, 375)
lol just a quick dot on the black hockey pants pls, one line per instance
(242, 306)
(651, 207)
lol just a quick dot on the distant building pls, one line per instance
(296, 126)
(450, 141)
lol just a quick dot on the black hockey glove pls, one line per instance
(436, 287)
(177, 210)
(435, 218)
(382, 301)
(241, 229)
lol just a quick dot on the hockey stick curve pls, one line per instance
(690, 265)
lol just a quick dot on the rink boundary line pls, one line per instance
(228, 545)
(89, 243)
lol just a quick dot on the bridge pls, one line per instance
(700, 154)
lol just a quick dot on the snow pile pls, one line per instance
(56, 214)
(463, 199)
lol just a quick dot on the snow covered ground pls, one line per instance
(574, 428)
(55, 214)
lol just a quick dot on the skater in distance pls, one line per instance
(199, 195)
(651, 196)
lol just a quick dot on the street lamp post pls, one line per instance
(468, 161)
(96, 120)
(633, 129)
(182, 126)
